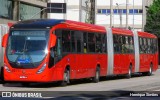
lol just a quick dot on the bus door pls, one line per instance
(63, 51)
(143, 55)
(126, 54)
(147, 56)
(56, 54)
(117, 44)
(77, 38)
(123, 57)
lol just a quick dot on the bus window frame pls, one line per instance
(150, 47)
(82, 41)
(122, 43)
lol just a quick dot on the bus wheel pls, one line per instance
(129, 72)
(66, 77)
(149, 73)
(97, 75)
(1, 74)
(150, 70)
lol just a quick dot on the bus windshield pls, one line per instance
(26, 47)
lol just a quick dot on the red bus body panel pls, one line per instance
(147, 59)
(122, 61)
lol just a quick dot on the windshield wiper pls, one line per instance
(25, 54)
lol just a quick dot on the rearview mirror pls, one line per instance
(52, 40)
(4, 40)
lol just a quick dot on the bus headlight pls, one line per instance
(42, 68)
(6, 68)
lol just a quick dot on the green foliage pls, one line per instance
(153, 18)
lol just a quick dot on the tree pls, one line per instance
(153, 18)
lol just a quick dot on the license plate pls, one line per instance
(23, 77)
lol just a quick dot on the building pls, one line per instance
(15, 10)
(77, 10)
(108, 13)
(146, 3)
(122, 13)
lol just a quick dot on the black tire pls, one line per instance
(150, 70)
(96, 78)
(149, 73)
(66, 78)
(2, 74)
(129, 74)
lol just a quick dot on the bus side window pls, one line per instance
(127, 44)
(104, 43)
(152, 51)
(120, 43)
(66, 39)
(123, 44)
(56, 52)
(115, 42)
(78, 38)
(155, 49)
(78, 45)
(73, 41)
(149, 45)
(85, 43)
(156, 45)
(98, 43)
(131, 46)
(91, 42)
(140, 45)
(146, 45)
(132, 43)
(58, 47)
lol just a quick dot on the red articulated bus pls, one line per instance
(46, 50)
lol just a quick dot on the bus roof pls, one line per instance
(122, 31)
(146, 34)
(37, 23)
(49, 23)
(85, 26)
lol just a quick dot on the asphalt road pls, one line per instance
(110, 88)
